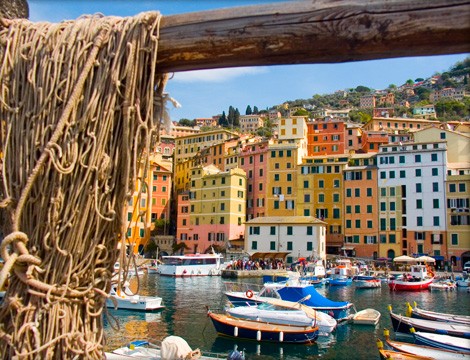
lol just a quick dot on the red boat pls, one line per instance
(417, 279)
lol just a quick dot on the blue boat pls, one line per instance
(339, 281)
(295, 291)
(263, 331)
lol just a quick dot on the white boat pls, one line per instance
(443, 285)
(463, 282)
(191, 265)
(296, 315)
(367, 317)
(172, 347)
(423, 350)
(124, 299)
(443, 342)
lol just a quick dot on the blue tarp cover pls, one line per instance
(296, 293)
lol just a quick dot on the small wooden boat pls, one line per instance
(423, 350)
(261, 331)
(366, 317)
(403, 324)
(443, 342)
(386, 354)
(418, 313)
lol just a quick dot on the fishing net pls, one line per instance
(80, 108)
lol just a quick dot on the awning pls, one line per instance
(347, 248)
(269, 255)
(438, 257)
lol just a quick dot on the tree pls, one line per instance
(392, 87)
(409, 82)
(419, 80)
(187, 122)
(363, 89)
(301, 112)
(248, 110)
(179, 247)
(255, 110)
(362, 116)
(223, 120)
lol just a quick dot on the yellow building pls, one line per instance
(217, 207)
(320, 194)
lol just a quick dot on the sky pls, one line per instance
(205, 93)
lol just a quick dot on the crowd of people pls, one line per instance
(269, 264)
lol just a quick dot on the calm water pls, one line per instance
(185, 315)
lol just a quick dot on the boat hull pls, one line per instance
(136, 303)
(367, 317)
(368, 284)
(426, 351)
(259, 331)
(399, 285)
(443, 342)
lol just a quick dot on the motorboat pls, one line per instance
(339, 281)
(419, 313)
(423, 350)
(403, 324)
(366, 317)
(293, 291)
(262, 331)
(443, 285)
(417, 279)
(192, 265)
(367, 282)
(122, 298)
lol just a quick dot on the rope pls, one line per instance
(80, 110)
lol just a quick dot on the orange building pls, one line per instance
(325, 137)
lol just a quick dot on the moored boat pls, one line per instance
(418, 279)
(191, 265)
(423, 350)
(367, 282)
(443, 285)
(403, 324)
(262, 331)
(419, 313)
(441, 341)
(367, 317)
(339, 281)
(124, 299)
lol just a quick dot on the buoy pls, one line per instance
(281, 336)
(235, 331)
(258, 335)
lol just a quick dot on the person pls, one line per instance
(405, 277)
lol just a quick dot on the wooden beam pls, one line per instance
(319, 31)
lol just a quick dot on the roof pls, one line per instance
(294, 220)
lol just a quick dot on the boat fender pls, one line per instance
(235, 331)
(281, 336)
(258, 335)
(249, 294)
(409, 309)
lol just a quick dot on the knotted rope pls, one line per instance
(80, 109)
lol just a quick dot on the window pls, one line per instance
(402, 174)
(418, 158)
(454, 239)
(369, 209)
(433, 157)
(418, 172)
(435, 203)
(254, 245)
(358, 223)
(402, 159)
(419, 221)
(435, 187)
(393, 225)
(357, 209)
(305, 184)
(383, 175)
(392, 175)
(369, 224)
(419, 203)
(392, 238)
(321, 184)
(383, 224)
(452, 188)
(418, 188)
(272, 230)
(435, 171)
(290, 230)
(392, 206)
(307, 198)
(335, 213)
(435, 220)
(309, 230)
(369, 175)
(383, 206)
(369, 192)
(357, 192)
(309, 246)
(348, 209)
(348, 192)
(321, 198)
(348, 224)
(276, 177)
(289, 246)
(272, 245)
(335, 198)
(462, 187)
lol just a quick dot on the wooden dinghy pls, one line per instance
(424, 350)
(403, 324)
(366, 317)
(452, 343)
(418, 313)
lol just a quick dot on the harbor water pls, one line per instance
(185, 314)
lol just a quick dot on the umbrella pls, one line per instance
(426, 259)
(404, 258)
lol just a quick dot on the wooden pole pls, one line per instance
(320, 31)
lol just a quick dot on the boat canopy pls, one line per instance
(296, 293)
(269, 255)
